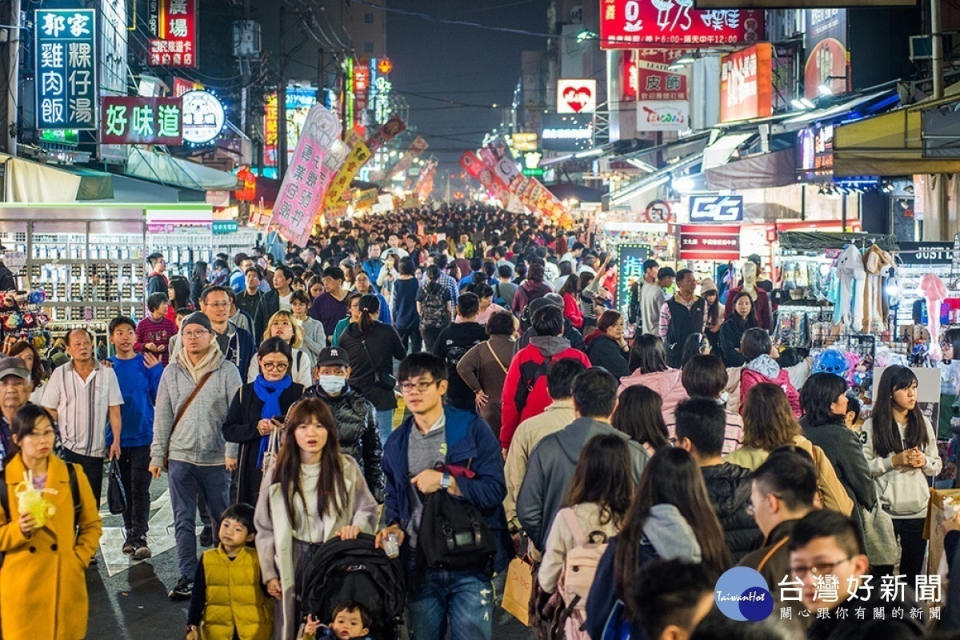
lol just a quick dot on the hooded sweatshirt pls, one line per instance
(666, 535)
(763, 368)
(550, 471)
(666, 384)
(532, 359)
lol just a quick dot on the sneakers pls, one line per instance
(206, 537)
(141, 551)
(182, 590)
(129, 546)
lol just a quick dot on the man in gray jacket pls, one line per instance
(192, 401)
(553, 461)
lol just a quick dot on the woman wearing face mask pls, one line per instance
(283, 325)
(356, 416)
(257, 410)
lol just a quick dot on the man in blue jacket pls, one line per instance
(443, 449)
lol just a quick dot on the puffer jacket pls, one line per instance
(729, 489)
(666, 384)
(763, 368)
(357, 430)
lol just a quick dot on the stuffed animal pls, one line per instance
(831, 361)
(852, 277)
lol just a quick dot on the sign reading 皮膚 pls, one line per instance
(65, 54)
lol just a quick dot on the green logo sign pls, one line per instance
(224, 226)
(536, 172)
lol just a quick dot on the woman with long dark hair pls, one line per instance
(901, 451)
(711, 328)
(180, 295)
(731, 331)
(312, 494)
(199, 279)
(257, 410)
(371, 347)
(606, 346)
(671, 517)
(696, 344)
(600, 495)
(648, 361)
(570, 292)
(639, 414)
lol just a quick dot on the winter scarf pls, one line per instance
(208, 362)
(269, 394)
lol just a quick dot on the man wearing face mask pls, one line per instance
(356, 416)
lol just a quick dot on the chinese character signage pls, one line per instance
(629, 270)
(576, 95)
(66, 78)
(270, 129)
(746, 83)
(361, 84)
(709, 242)
(136, 120)
(628, 24)
(301, 191)
(176, 41)
(203, 116)
(386, 132)
(418, 146)
(570, 132)
(358, 156)
(647, 75)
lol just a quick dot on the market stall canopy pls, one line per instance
(776, 169)
(176, 172)
(38, 183)
(823, 240)
(893, 143)
(132, 190)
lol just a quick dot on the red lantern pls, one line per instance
(249, 190)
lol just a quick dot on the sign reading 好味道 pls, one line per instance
(137, 120)
(65, 54)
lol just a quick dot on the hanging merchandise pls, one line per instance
(852, 277)
(934, 291)
(878, 265)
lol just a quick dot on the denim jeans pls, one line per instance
(461, 601)
(385, 424)
(185, 481)
(136, 482)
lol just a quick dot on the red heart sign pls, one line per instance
(577, 97)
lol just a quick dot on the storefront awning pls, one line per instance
(822, 240)
(655, 179)
(720, 152)
(38, 183)
(889, 144)
(176, 172)
(760, 171)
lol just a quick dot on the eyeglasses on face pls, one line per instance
(421, 385)
(192, 335)
(275, 366)
(819, 569)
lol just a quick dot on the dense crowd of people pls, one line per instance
(431, 395)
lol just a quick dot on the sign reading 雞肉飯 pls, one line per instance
(65, 54)
(138, 120)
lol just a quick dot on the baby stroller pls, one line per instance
(342, 570)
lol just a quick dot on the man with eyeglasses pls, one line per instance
(192, 402)
(235, 343)
(830, 569)
(442, 448)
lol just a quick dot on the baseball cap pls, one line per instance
(14, 367)
(333, 356)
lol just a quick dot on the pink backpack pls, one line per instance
(579, 567)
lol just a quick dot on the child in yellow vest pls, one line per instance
(350, 620)
(229, 600)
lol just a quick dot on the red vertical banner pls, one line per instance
(176, 41)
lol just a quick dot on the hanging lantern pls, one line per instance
(249, 190)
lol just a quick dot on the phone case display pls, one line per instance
(803, 325)
(189, 245)
(22, 317)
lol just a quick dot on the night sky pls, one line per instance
(436, 62)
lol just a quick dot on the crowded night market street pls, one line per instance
(499, 320)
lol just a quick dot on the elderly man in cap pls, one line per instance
(356, 416)
(192, 402)
(14, 394)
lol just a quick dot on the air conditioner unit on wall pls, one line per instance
(921, 47)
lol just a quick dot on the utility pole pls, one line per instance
(13, 77)
(320, 75)
(940, 188)
(282, 108)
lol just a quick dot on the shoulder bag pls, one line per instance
(495, 357)
(383, 380)
(182, 410)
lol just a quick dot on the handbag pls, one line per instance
(496, 357)
(273, 450)
(517, 590)
(182, 410)
(879, 537)
(383, 380)
(116, 494)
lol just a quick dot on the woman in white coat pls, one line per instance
(901, 451)
(312, 494)
(283, 325)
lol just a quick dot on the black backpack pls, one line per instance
(530, 373)
(454, 535)
(342, 570)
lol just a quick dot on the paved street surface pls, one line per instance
(128, 600)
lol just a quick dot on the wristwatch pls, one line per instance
(445, 480)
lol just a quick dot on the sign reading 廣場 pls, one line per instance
(137, 120)
(65, 57)
(629, 24)
(176, 31)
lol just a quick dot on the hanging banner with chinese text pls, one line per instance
(746, 83)
(720, 243)
(136, 120)
(65, 54)
(176, 41)
(301, 191)
(630, 259)
(358, 156)
(386, 132)
(629, 24)
(648, 75)
(418, 146)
